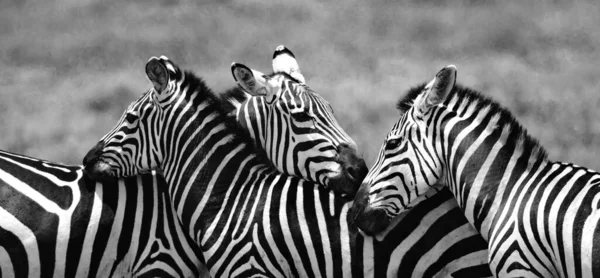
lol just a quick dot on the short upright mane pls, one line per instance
(232, 99)
(464, 94)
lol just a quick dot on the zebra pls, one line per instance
(296, 128)
(539, 217)
(247, 217)
(143, 196)
(56, 222)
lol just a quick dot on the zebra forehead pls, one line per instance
(285, 75)
(394, 132)
(144, 98)
(313, 97)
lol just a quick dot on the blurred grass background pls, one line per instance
(69, 68)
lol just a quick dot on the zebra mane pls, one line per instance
(472, 97)
(223, 107)
(232, 99)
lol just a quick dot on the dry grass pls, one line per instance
(69, 67)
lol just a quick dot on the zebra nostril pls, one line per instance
(357, 172)
(352, 171)
(353, 164)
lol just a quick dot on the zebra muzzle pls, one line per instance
(371, 221)
(95, 167)
(98, 170)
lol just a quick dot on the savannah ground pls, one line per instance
(68, 68)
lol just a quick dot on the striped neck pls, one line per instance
(208, 160)
(261, 116)
(484, 151)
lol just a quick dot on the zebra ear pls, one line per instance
(285, 61)
(252, 81)
(438, 89)
(157, 73)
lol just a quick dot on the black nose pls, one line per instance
(371, 221)
(359, 171)
(354, 165)
(93, 154)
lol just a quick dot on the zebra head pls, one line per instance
(131, 147)
(298, 130)
(408, 164)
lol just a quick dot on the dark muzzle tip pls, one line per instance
(98, 170)
(93, 154)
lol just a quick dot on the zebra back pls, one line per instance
(56, 222)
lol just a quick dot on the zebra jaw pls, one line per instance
(398, 218)
(381, 235)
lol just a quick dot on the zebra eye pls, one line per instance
(131, 117)
(301, 117)
(303, 120)
(392, 144)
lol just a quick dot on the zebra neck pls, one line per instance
(209, 162)
(483, 159)
(252, 115)
(268, 131)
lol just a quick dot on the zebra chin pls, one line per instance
(371, 221)
(344, 184)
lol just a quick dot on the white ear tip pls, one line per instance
(280, 50)
(449, 68)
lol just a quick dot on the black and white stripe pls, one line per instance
(56, 222)
(295, 126)
(249, 219)
(540, 218)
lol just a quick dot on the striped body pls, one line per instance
(56, 222)
(251, 220)
(540, 218)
